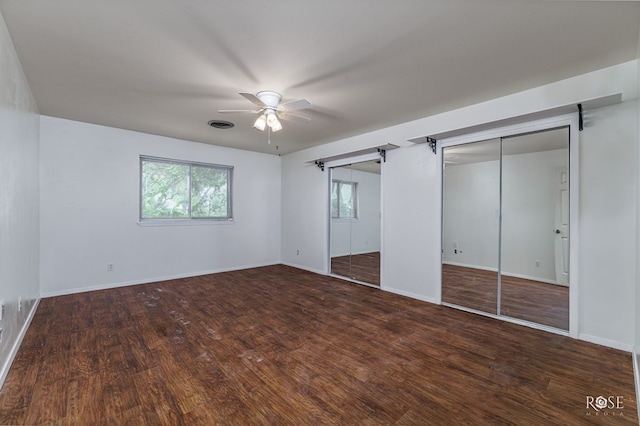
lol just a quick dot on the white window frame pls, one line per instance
(146, 221)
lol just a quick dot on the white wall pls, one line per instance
(637, 299)
(361, 235)
(411, 223)
(305, 224)
(411, 215)
(90, 208)
(471, 214)
(19, 212)
(608, 148)
(528, 213)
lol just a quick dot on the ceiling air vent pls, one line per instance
(220, 124)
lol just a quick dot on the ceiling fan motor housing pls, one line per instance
(270, 99)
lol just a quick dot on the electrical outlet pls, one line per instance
(298, 252)
(19, 304)
(109, 267)
(537, 263)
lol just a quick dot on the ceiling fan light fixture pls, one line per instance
(273, 122)
(271, 111)
(276, 126)
(260, 123)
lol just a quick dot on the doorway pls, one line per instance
(355, 222)
(505, 245)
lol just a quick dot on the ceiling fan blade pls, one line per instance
(247, 111)
(295, 118)
(294, 105)
(253, 98)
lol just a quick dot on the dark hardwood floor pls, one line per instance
(278, 345)
(362, 267)
(534, 301)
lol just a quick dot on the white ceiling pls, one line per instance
(166, 67)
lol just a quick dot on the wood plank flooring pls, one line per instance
(534, 301)
(277, 345)
(362, 267)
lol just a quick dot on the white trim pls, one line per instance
(508, 274)
(328, 183)
(574, 228)
(570, 108)
(151, 280)
(382, 256)
(184, 222)
(606, 342)
(410, 294)
(464, 265)
(570, 120)
(636, 376)
(16, 345)
(355, 253)
(439, 206)
(352, 160)
(304, 268)
(375, 150)
(516, 129)
(532, 278)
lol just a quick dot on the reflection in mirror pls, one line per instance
(471, 219)
(508, 199)
(535, 228)
(355, 222)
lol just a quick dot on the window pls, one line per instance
(344, 199)
(172, 189)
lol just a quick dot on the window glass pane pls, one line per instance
(165, 192)
(209, 192)
(172, 189)
(334, 199)
(354, 200)
(346, 200)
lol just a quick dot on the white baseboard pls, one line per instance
(150, 280)
(532, 278)
(509, 274)
(16, 345)
(409, 294)
(636, 377)
(606, 342)
(305, 268)
(465, 265)
(355, 253)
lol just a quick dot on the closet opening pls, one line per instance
(509, 208)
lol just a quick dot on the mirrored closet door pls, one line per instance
(506, 227)
(471, 224)
(354, 240)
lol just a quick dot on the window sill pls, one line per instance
(185, 222)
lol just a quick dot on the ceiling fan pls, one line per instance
(270, 110)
